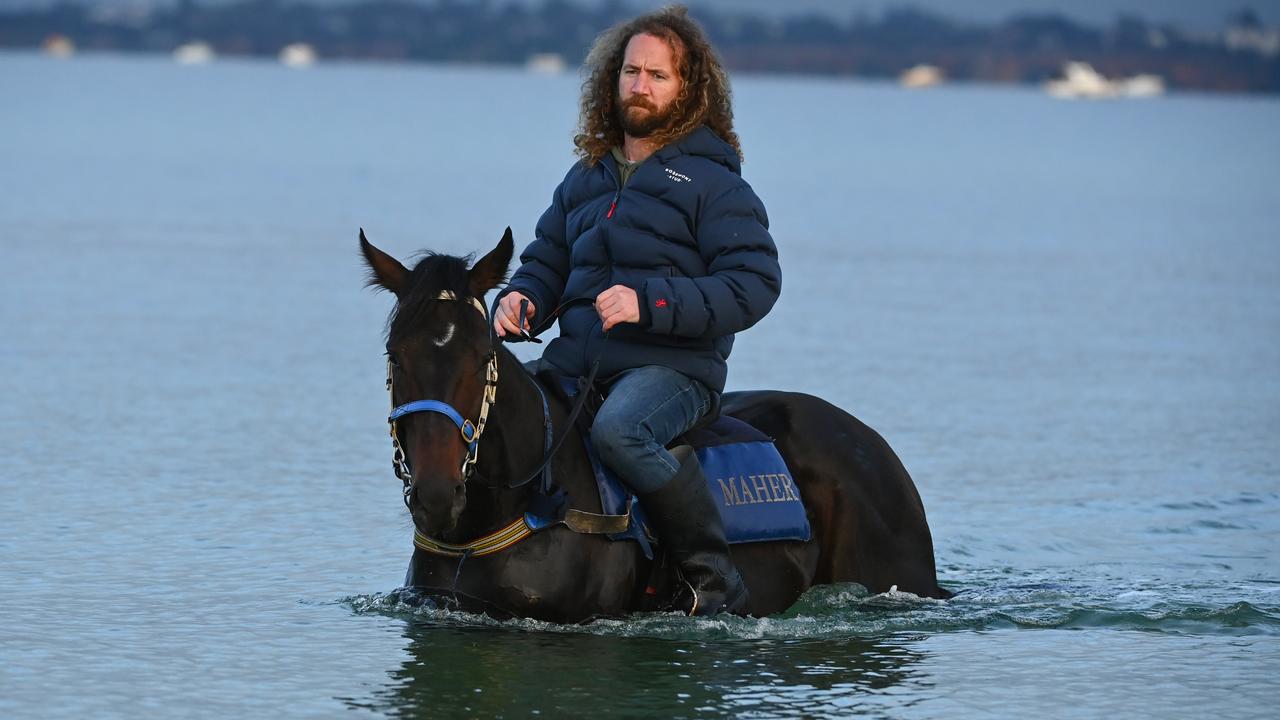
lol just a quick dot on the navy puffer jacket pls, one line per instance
(687, 233)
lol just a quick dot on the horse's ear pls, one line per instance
(491, 270)
(384, 270)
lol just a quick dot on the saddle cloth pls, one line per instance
(746, 474)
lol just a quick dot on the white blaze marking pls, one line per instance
(448, 335)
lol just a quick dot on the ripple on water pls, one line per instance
(849, 611)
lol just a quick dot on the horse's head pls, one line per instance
(439, 349)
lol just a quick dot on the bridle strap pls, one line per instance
(475, 302)
(471, 432)
(466, 426)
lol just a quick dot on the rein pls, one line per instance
(576, 520)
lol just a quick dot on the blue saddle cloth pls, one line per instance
(747, 476)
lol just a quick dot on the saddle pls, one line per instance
(746, 474)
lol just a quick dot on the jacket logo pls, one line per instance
(660, 303)
(677, 177)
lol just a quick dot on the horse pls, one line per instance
(474, 549)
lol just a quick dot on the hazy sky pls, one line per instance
(1190, 14)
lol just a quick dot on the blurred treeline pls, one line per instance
(1028, 48)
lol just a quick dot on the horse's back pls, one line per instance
(867, 517)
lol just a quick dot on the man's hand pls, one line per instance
(507, 319)
(617, 305)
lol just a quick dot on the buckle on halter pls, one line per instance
(468, 431)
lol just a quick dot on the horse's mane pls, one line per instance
(433, 273)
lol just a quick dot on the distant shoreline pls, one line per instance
(554, 37)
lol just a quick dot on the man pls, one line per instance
(657, 229)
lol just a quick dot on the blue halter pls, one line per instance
(471, 431)
(468, 428)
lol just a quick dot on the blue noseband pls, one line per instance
(471, 431)
(469, 435)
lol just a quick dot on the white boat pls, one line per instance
(1081, 81)
(59, 46)
(545, 63)
(1142, 86)
(194, 53)
(921, 76)
(298, 55)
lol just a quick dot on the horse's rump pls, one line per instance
(863, 505)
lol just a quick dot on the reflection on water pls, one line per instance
(487, 672)
(840, 650)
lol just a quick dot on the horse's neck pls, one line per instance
(511, 448)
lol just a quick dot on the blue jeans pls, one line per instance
(646, 408)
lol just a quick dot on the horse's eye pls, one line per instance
(392, 359)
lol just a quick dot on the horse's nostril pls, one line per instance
(459, 489)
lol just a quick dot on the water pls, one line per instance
(1064, 317)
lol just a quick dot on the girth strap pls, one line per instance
(588, 523)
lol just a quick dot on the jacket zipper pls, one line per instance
(616, 196)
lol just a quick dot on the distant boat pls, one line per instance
(921, 76)
(298, 55)
(194, 53)
(1081, 81)
(545, 63)
(59, 46)
(1140, 86)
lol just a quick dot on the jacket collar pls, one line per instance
(702, 142)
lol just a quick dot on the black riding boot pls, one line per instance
(688, 523)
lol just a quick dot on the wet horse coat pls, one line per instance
(867, 520)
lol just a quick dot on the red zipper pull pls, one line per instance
(613, 205)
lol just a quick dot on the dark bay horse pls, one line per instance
(458, 464)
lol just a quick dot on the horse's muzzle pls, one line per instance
(436, 504)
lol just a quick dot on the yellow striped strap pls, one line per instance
(523, 527)
(487, 545)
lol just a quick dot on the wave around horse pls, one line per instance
(472, 430)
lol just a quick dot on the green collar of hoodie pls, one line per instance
(626, 168)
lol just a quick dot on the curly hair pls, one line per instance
(704, 97)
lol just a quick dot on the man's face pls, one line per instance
(647, 86)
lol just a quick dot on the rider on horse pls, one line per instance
(656, 227)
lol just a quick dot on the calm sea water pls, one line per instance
(1064, 317)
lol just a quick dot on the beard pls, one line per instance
(641, 118)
